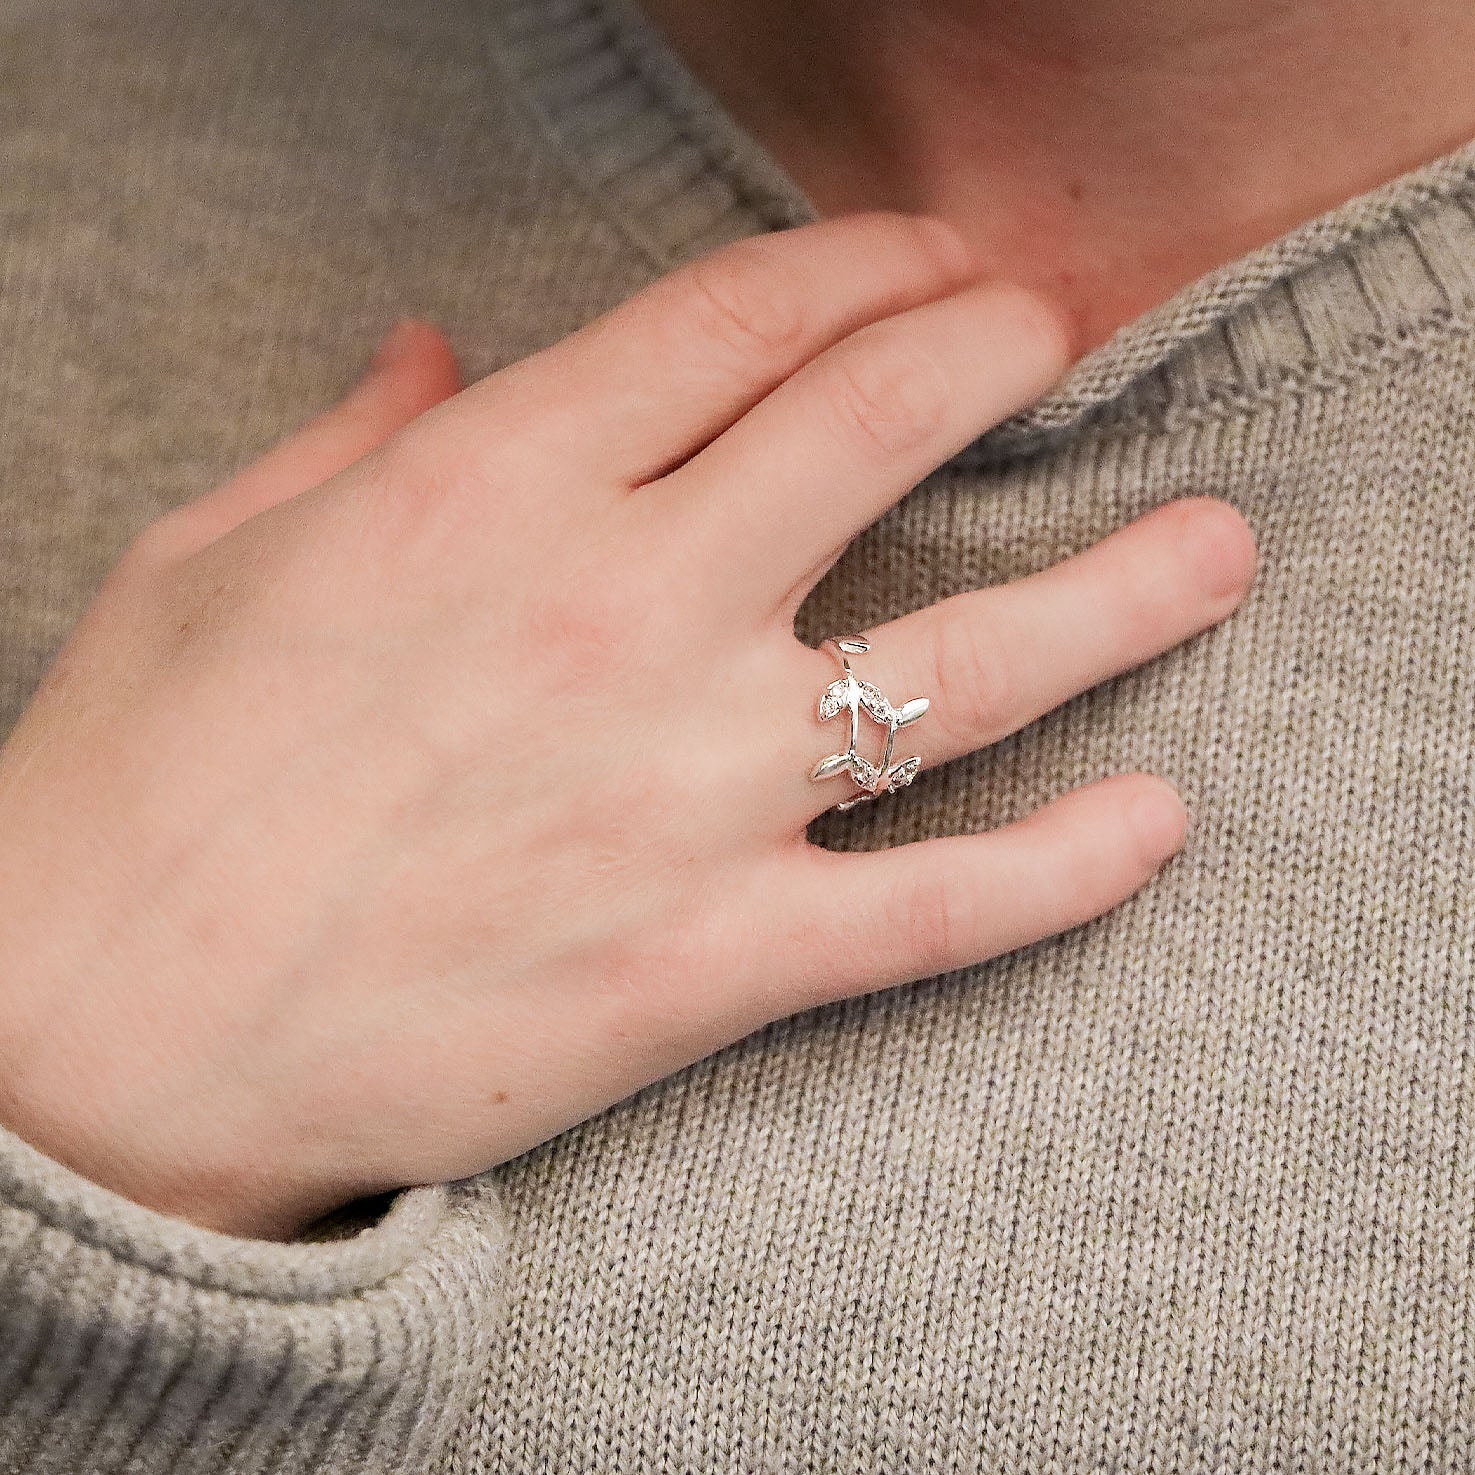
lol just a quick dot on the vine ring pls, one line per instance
(850, 694)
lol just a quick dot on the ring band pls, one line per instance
(851, 694)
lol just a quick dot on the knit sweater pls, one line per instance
(1185, 1190)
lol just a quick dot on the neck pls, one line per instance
(1106, 151)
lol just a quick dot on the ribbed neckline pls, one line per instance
(664, 160)
(299, 1270)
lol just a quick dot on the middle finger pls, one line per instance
(775, 498)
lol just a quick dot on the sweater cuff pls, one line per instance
(132, 1340)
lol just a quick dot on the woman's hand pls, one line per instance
(421, 793)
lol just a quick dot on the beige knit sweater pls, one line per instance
(1191, 1189)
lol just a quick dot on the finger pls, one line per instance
(640, 388)
(849, 923)
(413, 369)
(791, 483)
(990, 661)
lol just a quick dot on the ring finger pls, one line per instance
(990, 661)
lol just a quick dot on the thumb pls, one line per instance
(413, 369)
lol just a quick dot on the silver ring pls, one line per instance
(851, 694)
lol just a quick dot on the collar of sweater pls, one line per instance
(672, 169)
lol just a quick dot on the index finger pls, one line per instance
(645, 385)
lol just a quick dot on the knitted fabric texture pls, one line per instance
(1186, 1190)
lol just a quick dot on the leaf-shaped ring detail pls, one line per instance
(852, 695)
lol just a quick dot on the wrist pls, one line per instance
(109, 1104)
(104, 1072)
(186, 1175)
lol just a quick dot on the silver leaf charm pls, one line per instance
(835, 700)
(828, 767)
(904, 772)
(875, 703)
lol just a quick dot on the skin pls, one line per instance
(1106, 152)
(312, 881)
(335, 852)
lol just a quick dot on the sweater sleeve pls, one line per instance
(132, 1341)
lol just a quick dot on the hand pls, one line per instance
(393, 808)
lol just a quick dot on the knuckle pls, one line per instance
(740, 299)
(575, 631)
(977, 689)
(427, 460)
(587, 633)
(432, 489)
(153, 547)
(890, 399)
(416, 479)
